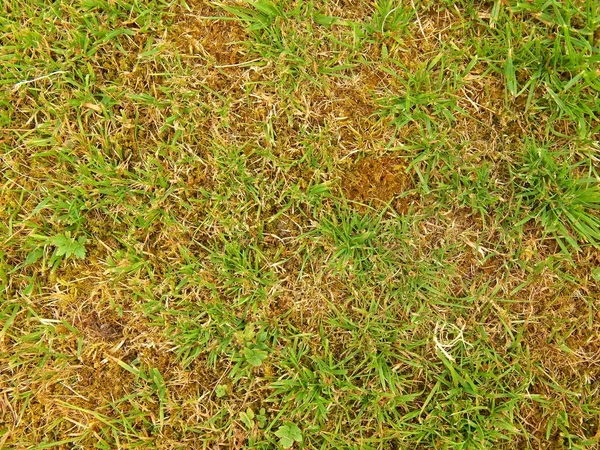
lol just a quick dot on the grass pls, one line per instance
(300, 224)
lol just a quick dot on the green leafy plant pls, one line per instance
(253, 350)
(251, 419)
(261, 418)
(247, 418)
(67, 246)
(255, 356)
(221, 390)
(288, 434)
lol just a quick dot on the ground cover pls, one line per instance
(309, 224)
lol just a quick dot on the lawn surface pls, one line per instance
(327, 224)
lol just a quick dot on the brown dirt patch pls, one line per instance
(106, 328)
(378, 181)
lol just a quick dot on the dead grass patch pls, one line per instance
(379, 181)
(216, 41)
